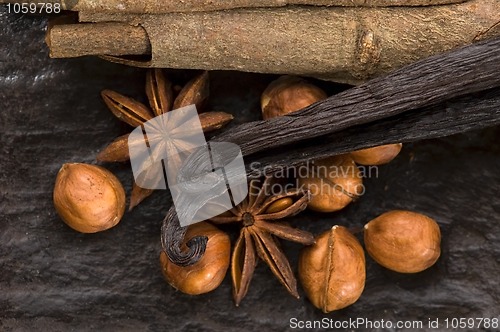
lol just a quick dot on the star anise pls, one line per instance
(160, 93)
(259, 214)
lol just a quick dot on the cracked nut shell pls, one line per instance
(332, 271)
(88, 198)
(206, 274)
(403, 241)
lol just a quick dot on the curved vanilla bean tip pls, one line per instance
(172, 237)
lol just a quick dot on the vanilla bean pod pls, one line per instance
(461, 114)
(425, 87)
(430, 81)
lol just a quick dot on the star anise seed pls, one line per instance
(258, 214)
(160, 92)
(194, 92)
(126, 109)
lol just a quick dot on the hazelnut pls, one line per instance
(206, 274)
(289, 94)
(334, 182)
(88, 198)
(332, 271)
(403, 241)
(377, 155)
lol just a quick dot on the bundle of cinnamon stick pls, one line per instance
(348, 41)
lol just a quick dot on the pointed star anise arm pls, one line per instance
(137, 195)
(194, 92)
(126, 109)
(153, 176)
(159, 91)
(226, 218)
(286, 232)
(211, 121)
(270, 252)
(257, 197)
(116, 151)
(243, 264)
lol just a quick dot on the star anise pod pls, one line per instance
(160, 93)
(259, 214)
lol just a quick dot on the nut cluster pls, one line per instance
(332, 271)
(334, 182)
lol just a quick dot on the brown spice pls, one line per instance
(88, 198)
(208, 273)
(403, 241)
(160, 96)
(259, 214)
(332, 271)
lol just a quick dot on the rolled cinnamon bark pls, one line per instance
(167, 6)
(348, 45)
(114, 38)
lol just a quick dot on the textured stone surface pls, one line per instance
(52, 278)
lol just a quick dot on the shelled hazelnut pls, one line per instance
(332, 271)
(206, 274)
(288, 94)
(403, 241)
(88, 198)
(377, 155)
(334, 182)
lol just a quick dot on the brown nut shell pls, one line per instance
(334, 182)
(403, 241)
(88, 198)
(377, 155)
(332, 271)
(289, 94)
(206, 274)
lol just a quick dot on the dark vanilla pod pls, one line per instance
(462, 114)
(428, 82)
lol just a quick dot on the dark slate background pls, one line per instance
(52, 278)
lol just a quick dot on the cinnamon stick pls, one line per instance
(343, 44)
(166, 6)
(90, 39)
